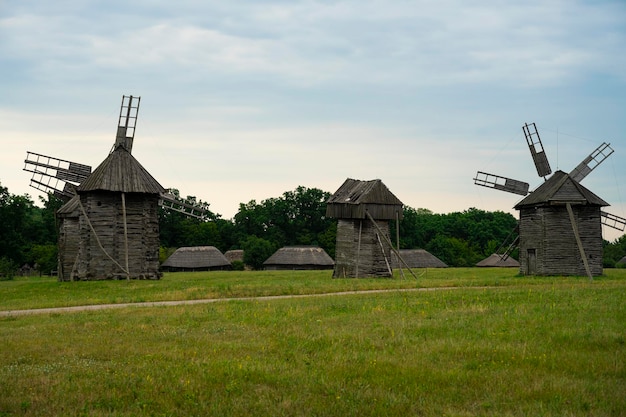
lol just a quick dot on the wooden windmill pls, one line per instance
(363, 210)
(108, 228)
(560, 225)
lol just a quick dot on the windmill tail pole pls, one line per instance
(389, 243)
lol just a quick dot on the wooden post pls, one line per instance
(358, 250)
(389, 243)
(398, 241)
(578, 241)
(382, 248)
(125, 235)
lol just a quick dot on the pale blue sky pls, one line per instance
(245, 100)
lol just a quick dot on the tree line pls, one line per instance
(29, 233)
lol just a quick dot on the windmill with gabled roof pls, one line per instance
(560, 225)
(363, 210)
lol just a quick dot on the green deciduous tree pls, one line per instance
(256, 250)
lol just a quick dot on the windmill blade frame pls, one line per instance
(127, 122)
(501, 183)
(55, 175)
(536, 150)
(614, 221)
(591, 162)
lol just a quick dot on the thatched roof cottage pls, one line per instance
(495, 260)
(299, 257)
(416, 258)
(196, 258)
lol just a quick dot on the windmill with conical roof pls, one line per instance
(108, 228)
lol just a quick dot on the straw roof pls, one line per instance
(417, 258)
(121, 172)
(622, 261)
(560, 188)
(495, 260)
(196, 258)
(234, 255)
(299, 257)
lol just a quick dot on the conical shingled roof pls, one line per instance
(560, 188)
(121, 172)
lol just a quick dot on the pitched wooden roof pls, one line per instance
(121, 172)
(196, 257)
(417, 258)
(560, 188)
(300, 255)
(355, 197)
(495, 260)
(70, 209)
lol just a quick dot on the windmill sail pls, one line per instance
(501, 183)
(536, 150)
(190, 208)
(127, 121)
(54, 175)
(611, 220)
(591, 162)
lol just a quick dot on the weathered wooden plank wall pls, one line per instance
(104, 211)
(547, 230)
(364, 258)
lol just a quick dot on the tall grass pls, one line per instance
(527, 347)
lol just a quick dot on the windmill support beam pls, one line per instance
(579, 242)
(397, 252)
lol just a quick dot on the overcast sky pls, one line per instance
(244, 100)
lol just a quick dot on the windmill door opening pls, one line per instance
(531, 259)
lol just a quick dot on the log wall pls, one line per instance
(104, 211)
(547, 232)
(361, 257)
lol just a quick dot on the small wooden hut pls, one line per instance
(111, 229)
(196, 258)
(416, 258)
(363, 210)
(498, 261)
(299, 258)
(560, 229)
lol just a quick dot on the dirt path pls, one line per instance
(57, 310)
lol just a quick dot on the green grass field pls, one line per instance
(470, 342)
